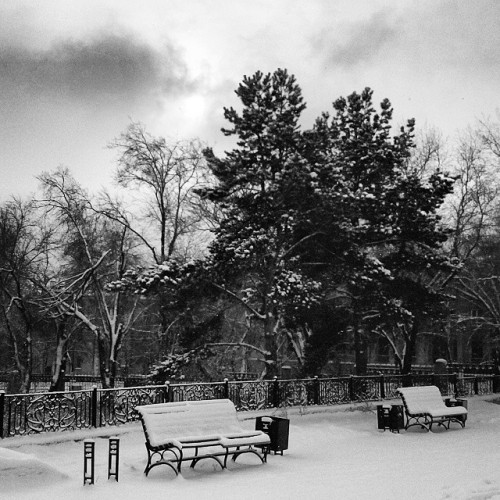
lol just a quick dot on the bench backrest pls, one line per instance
(188, 419)
(421, 399)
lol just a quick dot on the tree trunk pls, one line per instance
(104, 370)
(57, 383)
(271, 326)
(361, 351)
(410, 348)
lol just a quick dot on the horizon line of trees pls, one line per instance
(274, 251)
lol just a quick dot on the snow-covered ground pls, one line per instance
(334, 453)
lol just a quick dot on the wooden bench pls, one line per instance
(195, 430)
(424, 406)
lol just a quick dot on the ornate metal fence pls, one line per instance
(23, 414)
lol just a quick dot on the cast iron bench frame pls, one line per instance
(424, 406)
(195, 430)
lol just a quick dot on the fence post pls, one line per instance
(496, 383)
(276, 392)
(317, 394)
(93, 407)
(170, 393)
(382, 386)
(164, 393)
(226, 388)
(476, 385)
(351, 388)
(455, 384)
(2, 409)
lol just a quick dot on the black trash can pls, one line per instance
(278, 429)
(390, 417)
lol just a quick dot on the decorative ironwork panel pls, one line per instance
(255, 395)
(117, 406)
(391, 384)
(465, 386)
(422, 379)
(295, 392)
(195, 392)
(484, 384)
(47, 412)
(334, 391)
(365, 388)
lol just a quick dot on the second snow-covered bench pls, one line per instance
(195, 430)
(424, 406)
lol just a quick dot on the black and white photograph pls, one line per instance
(250, 249)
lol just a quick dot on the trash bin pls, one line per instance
(397, 418)
(278, 429)
(390, 417)
(383, 417)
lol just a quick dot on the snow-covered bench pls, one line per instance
(424, 406)
(194, 430)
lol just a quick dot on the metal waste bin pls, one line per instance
(390, 417)
(278, 429)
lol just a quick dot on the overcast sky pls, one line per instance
(73, 74)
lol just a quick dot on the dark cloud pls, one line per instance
(106, 67)
(356, 43)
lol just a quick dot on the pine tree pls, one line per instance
(384, 214)
(262, 182)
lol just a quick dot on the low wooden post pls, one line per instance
(113, 457)
(88, 461)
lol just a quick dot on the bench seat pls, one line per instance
(196, 430)
(424, 406)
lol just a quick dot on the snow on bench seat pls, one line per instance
(424, 406)
(194, 430)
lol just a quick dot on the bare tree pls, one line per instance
(25, 246)
(93, 251)
(165, 176)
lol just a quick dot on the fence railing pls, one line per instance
(24, 414)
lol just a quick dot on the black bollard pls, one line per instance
(88, 461)
(113, 457)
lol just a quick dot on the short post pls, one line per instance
(352, 395)
(2, 410)
(164, 393)
(476, 385)
(382, 386)
(317, 391)
(113, 457)
(88, 461)
(226, 388)
(276, 392)
(93, 407)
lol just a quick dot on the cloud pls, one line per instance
(356, 42)
(102, 68)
